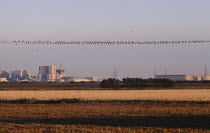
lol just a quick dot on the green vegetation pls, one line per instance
(110, 83)
(75, 100)
(35, 101)
(136, 83)
(48, 86)
(97, 86)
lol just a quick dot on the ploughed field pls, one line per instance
(166, 95)
(106, 116)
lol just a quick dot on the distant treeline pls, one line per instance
(136, 83)
(47, 86)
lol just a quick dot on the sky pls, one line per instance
(128, 20)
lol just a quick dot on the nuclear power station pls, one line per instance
(57, 74)
(50, 73)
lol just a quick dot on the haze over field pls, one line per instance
(106, 20)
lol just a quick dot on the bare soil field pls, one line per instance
(109, 116)
(169, 95)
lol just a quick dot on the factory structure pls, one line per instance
(46, 74)
(4, 76)
(16, 76)
(51, 74)
(184, 77)
(204, 77)
(54, 74)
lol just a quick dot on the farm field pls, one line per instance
(92, 86)
(107, 111)
(170, 95)
(105, 116)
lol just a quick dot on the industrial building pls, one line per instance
(4, 74)
(50, 73)
(21, 75)
(184, 77)
(80, 79)
(46, 74)
(3, 80)
(93, 79)
(60, 74)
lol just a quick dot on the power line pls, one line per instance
(166, 71)
(205, 73)
(115, 74)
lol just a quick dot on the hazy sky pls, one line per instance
(106, 20)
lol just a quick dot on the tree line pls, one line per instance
(135, 83)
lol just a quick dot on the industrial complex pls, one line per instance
(46, 74)
(184, 77)
(54, 74)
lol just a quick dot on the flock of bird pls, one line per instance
(17, 42)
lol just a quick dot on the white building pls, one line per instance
(3, 80)
(94, 79)
(21, 75)
(184, 77)
(47, 73)
(50, 73)
(80, 80)
(83, 79)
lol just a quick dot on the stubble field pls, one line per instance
(105, 116)
(47, 110)
(166, 95)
